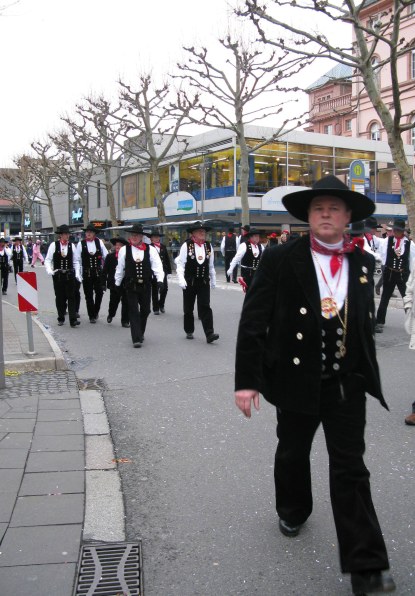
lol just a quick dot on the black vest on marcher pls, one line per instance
(4, 260)
(164, 257)
(139, 271)
(230, 243)
(395, 262)
(17, 257)
(61, 262)
(195, 269)
(249, 260)
(91, 262)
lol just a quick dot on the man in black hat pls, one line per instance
(91, 253)
(228, 248)
(19, 257)
(197, 276)
(63, 264)
(159, 295)
(137, 263)
(306, 342)
(397, 253)
(5, 257)
(117, 295)
(248, 256)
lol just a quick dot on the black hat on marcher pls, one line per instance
(155, 232)
(135, 229)
(298, 203)
(198, 225)
(118, 239)
(370, 224)
(399, 225)
(357, 228)
(17, 239)
(253, 231)
(3, 241)
(90, 228)
(63, 229)
(246, 228)
(231, 230)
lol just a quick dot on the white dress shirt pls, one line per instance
(138, 254)
(64, 251)
(200, 255)
(240, 253)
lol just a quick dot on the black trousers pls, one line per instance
(343, 417)
(138, 310)
(17, 267)
(4, 272)
(247, 276)
(115, 298)
(77, 295)
(391, 280)
(64, 287)
(200, 290)
(229, 254)
(158, 297)
(93, 285)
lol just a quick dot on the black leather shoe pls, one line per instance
(92, 320)
(379, 328)
(60, 323)
(137, 344)
(212, 337)
(109, 319)
(75, 323)
(372, 582)
(126, 325)
(162, 309)
(156, 312)
(288, 529)
(189, 335)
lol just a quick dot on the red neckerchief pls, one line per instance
(116, 254)
(63, 243)
(397, 242)
(253, 243)
(141, 246)
(198, 243)
(349, 245)
(156, 244)
(230, 235)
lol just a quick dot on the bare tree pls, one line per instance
(44, 171)
(97, 129)
(152, 127)
(370, 39)
(21, 188)
(234, 92)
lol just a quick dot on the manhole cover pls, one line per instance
(110, 569)
(97, 384)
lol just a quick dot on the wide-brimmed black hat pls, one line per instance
(63, 229)
(90, 228)
(17, 239)
(298, 203)
(371, 223)
(135, 229)
(156, 232)
(3, 241)
(357, 228)
(198, 225)
(245, 228)
(231, 230)
(118, 239)
(253, 231)
(399, 224)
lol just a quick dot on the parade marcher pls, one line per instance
(37, 254)
(197, 276)
(409, 306)
(117, 295)
(5, 257)
(62, 262)
(158, 295)
(305, 341)
(19, 257)
(91, 253)
(388, 232)
(228, 248)
(371, 233)
(272, 239)
(285, 236)
(243, 235)
(29, 249)
(248, 256)
(137, 262)
(397, 252)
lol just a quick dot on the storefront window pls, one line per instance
(129, 192)
(218, 169)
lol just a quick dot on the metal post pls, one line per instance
(30, 333)
(2, 377)
(203, 187)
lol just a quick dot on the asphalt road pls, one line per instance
(199, 489)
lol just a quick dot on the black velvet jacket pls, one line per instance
(279, 340)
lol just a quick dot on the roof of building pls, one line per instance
(339, 72)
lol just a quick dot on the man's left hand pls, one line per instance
(243, 399)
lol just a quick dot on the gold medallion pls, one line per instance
(328, 307)
(200, 258)
(342, 350)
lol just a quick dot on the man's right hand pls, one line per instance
(243, 399)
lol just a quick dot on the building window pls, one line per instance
(413, 64)
(376, 71)
(98, 194)
(348, 125)
(375, 132)
(328, 129)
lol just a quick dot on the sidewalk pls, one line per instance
(55, 448)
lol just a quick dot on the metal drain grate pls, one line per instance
(110, 569)
(97, 384)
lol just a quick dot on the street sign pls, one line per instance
(27, 291)
(357, 176)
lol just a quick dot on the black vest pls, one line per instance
(195, 269)
(137, 271)
(91, 262)
(4, 260)
(248, 260)
(395, 262)
(61, 262)
(164, 257)
(17, 257)
(230, 243)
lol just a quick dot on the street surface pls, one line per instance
(199, 488)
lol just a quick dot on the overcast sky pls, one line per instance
(54, 52)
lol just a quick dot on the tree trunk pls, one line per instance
(22, 222)
(32, 222)
(80, 189)
(244, 179)
(110, 195)
(161, 214)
